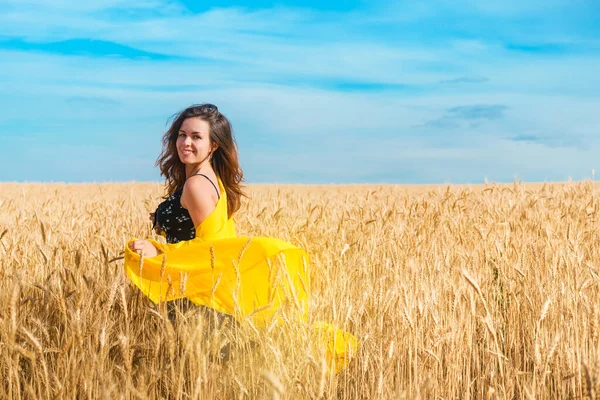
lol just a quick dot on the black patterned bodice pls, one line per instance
(174, 220)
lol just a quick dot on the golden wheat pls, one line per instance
(487, 291)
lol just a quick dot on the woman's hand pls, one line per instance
(143, 248)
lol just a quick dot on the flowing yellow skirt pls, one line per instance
(248, 278)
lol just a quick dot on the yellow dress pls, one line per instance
(250, 278)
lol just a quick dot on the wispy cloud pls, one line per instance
(564, 140)
(471, 116)
(478, 112)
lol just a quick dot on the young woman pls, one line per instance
(204, 260)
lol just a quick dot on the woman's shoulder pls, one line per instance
(204, 181)
(199, 181)
(199, 190)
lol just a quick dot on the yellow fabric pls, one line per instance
(247, 277)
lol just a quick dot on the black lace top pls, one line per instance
(174, 220)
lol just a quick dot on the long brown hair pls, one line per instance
(224, 159)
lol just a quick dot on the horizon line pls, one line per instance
(484, 182)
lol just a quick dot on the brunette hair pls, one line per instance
(224, 160)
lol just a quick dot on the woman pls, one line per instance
(204, 260)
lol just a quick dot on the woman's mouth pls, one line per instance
(186, 152)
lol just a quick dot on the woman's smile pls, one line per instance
(187, 152)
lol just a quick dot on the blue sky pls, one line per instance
(352, 91)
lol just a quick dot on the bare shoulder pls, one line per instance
(199, 191)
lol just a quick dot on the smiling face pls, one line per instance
(193, 141)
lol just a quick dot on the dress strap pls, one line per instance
(210, 180)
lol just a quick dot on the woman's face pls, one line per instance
(193, 141)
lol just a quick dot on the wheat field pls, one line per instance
(454, 292)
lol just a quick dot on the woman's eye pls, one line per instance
(197, 137)
(181, 135)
